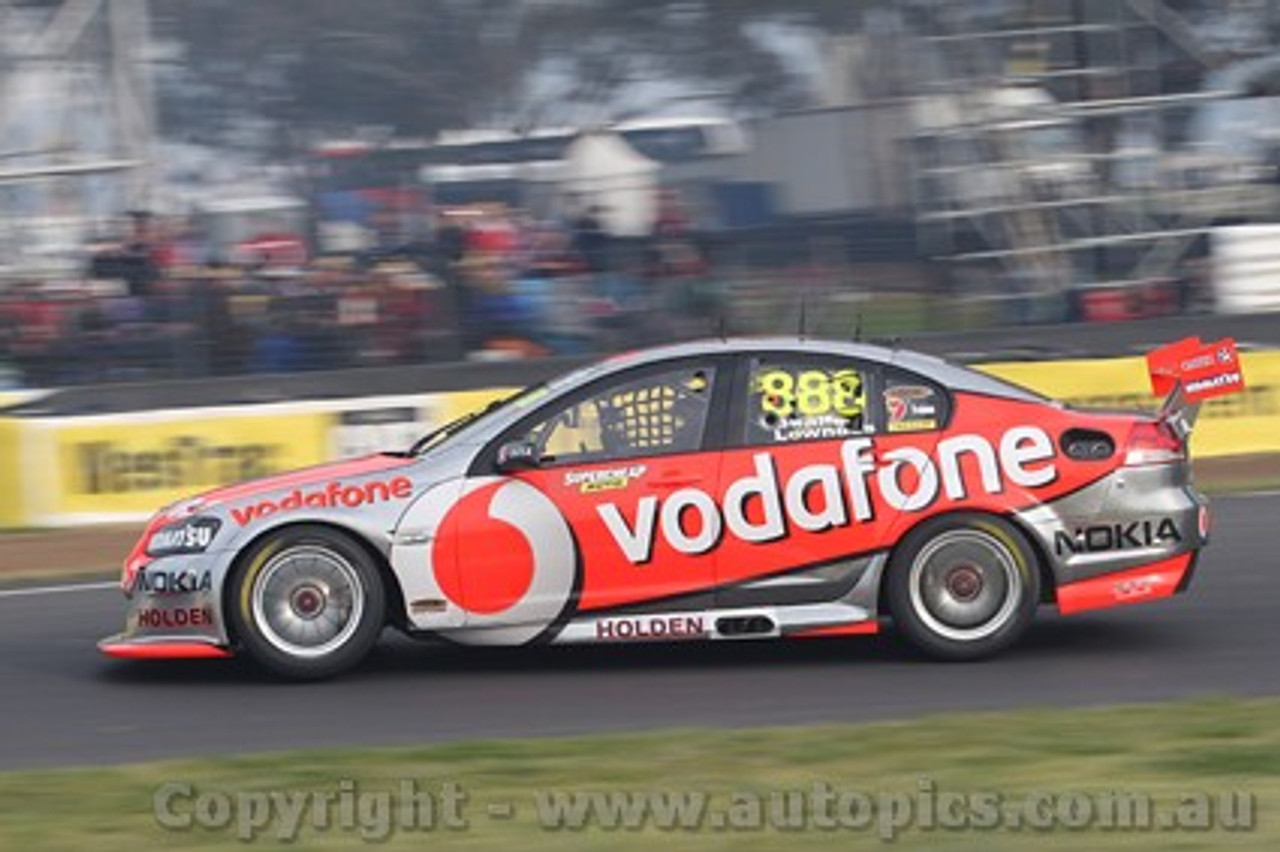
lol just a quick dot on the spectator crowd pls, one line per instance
(489, 283)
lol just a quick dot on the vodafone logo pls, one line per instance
(332, 496)
(503, 554)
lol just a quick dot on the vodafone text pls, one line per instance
(1024, 457)
(333, 495)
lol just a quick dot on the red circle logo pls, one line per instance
(500, 554)
(503, 577)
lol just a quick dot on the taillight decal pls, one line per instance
(1153, 442)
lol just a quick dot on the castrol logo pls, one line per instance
(821, 497)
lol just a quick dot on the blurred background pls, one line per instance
(194, 188)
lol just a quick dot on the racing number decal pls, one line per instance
(803, 402)
(811, 393)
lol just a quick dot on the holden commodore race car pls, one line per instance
(734, 489)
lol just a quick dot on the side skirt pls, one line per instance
(750, 623)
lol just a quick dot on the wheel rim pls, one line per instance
(307, 601)
(965, 585)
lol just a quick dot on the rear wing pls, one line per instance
(1190, 371)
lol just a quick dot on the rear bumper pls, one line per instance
(1158, 580)
(1122, 525)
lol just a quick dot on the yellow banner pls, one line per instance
(135, 464)
(11, 509)
(1240, 424)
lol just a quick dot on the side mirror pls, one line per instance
(516, 456)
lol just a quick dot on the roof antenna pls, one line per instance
(724, 328)
(857, 328)
(804, 311)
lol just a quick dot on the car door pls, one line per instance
(800, 474)
(612, 503)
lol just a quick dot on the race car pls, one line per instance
(728, 489)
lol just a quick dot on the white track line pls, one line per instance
(54, 590)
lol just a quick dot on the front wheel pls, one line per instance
(308, 603)
(962, 587)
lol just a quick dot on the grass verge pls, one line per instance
(1165, 752)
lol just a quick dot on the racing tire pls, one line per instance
(963, 587)
(306, 603)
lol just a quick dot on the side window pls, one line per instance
(655, 414)
(794, 398)
(912, 404)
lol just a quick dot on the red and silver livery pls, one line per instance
(719, 490)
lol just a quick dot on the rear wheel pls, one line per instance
(962, 587)
(308, 603)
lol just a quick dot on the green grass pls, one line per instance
(1237, 483)
(1162, 751)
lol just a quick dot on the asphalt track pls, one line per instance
(62, 704)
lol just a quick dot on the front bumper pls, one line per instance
(174, 612)
(124, 647)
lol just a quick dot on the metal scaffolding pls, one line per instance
(76, 120)
(1051, 150)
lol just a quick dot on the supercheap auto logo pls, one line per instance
(1023, 456)
(613, 479)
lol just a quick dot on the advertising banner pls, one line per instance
(1241, 424)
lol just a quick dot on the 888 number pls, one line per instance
(811, 393)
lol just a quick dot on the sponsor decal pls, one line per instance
(502, 554)
(1132, 588)
(193, 536)
(912, 425)
(911, 408)
(1214, 384)
(1205, 370)
(332, 496)
(693, 522)
(613, 479)
(169, 619)
(1105, 538)
(181, 582)
(806, 405)
(651, 627)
